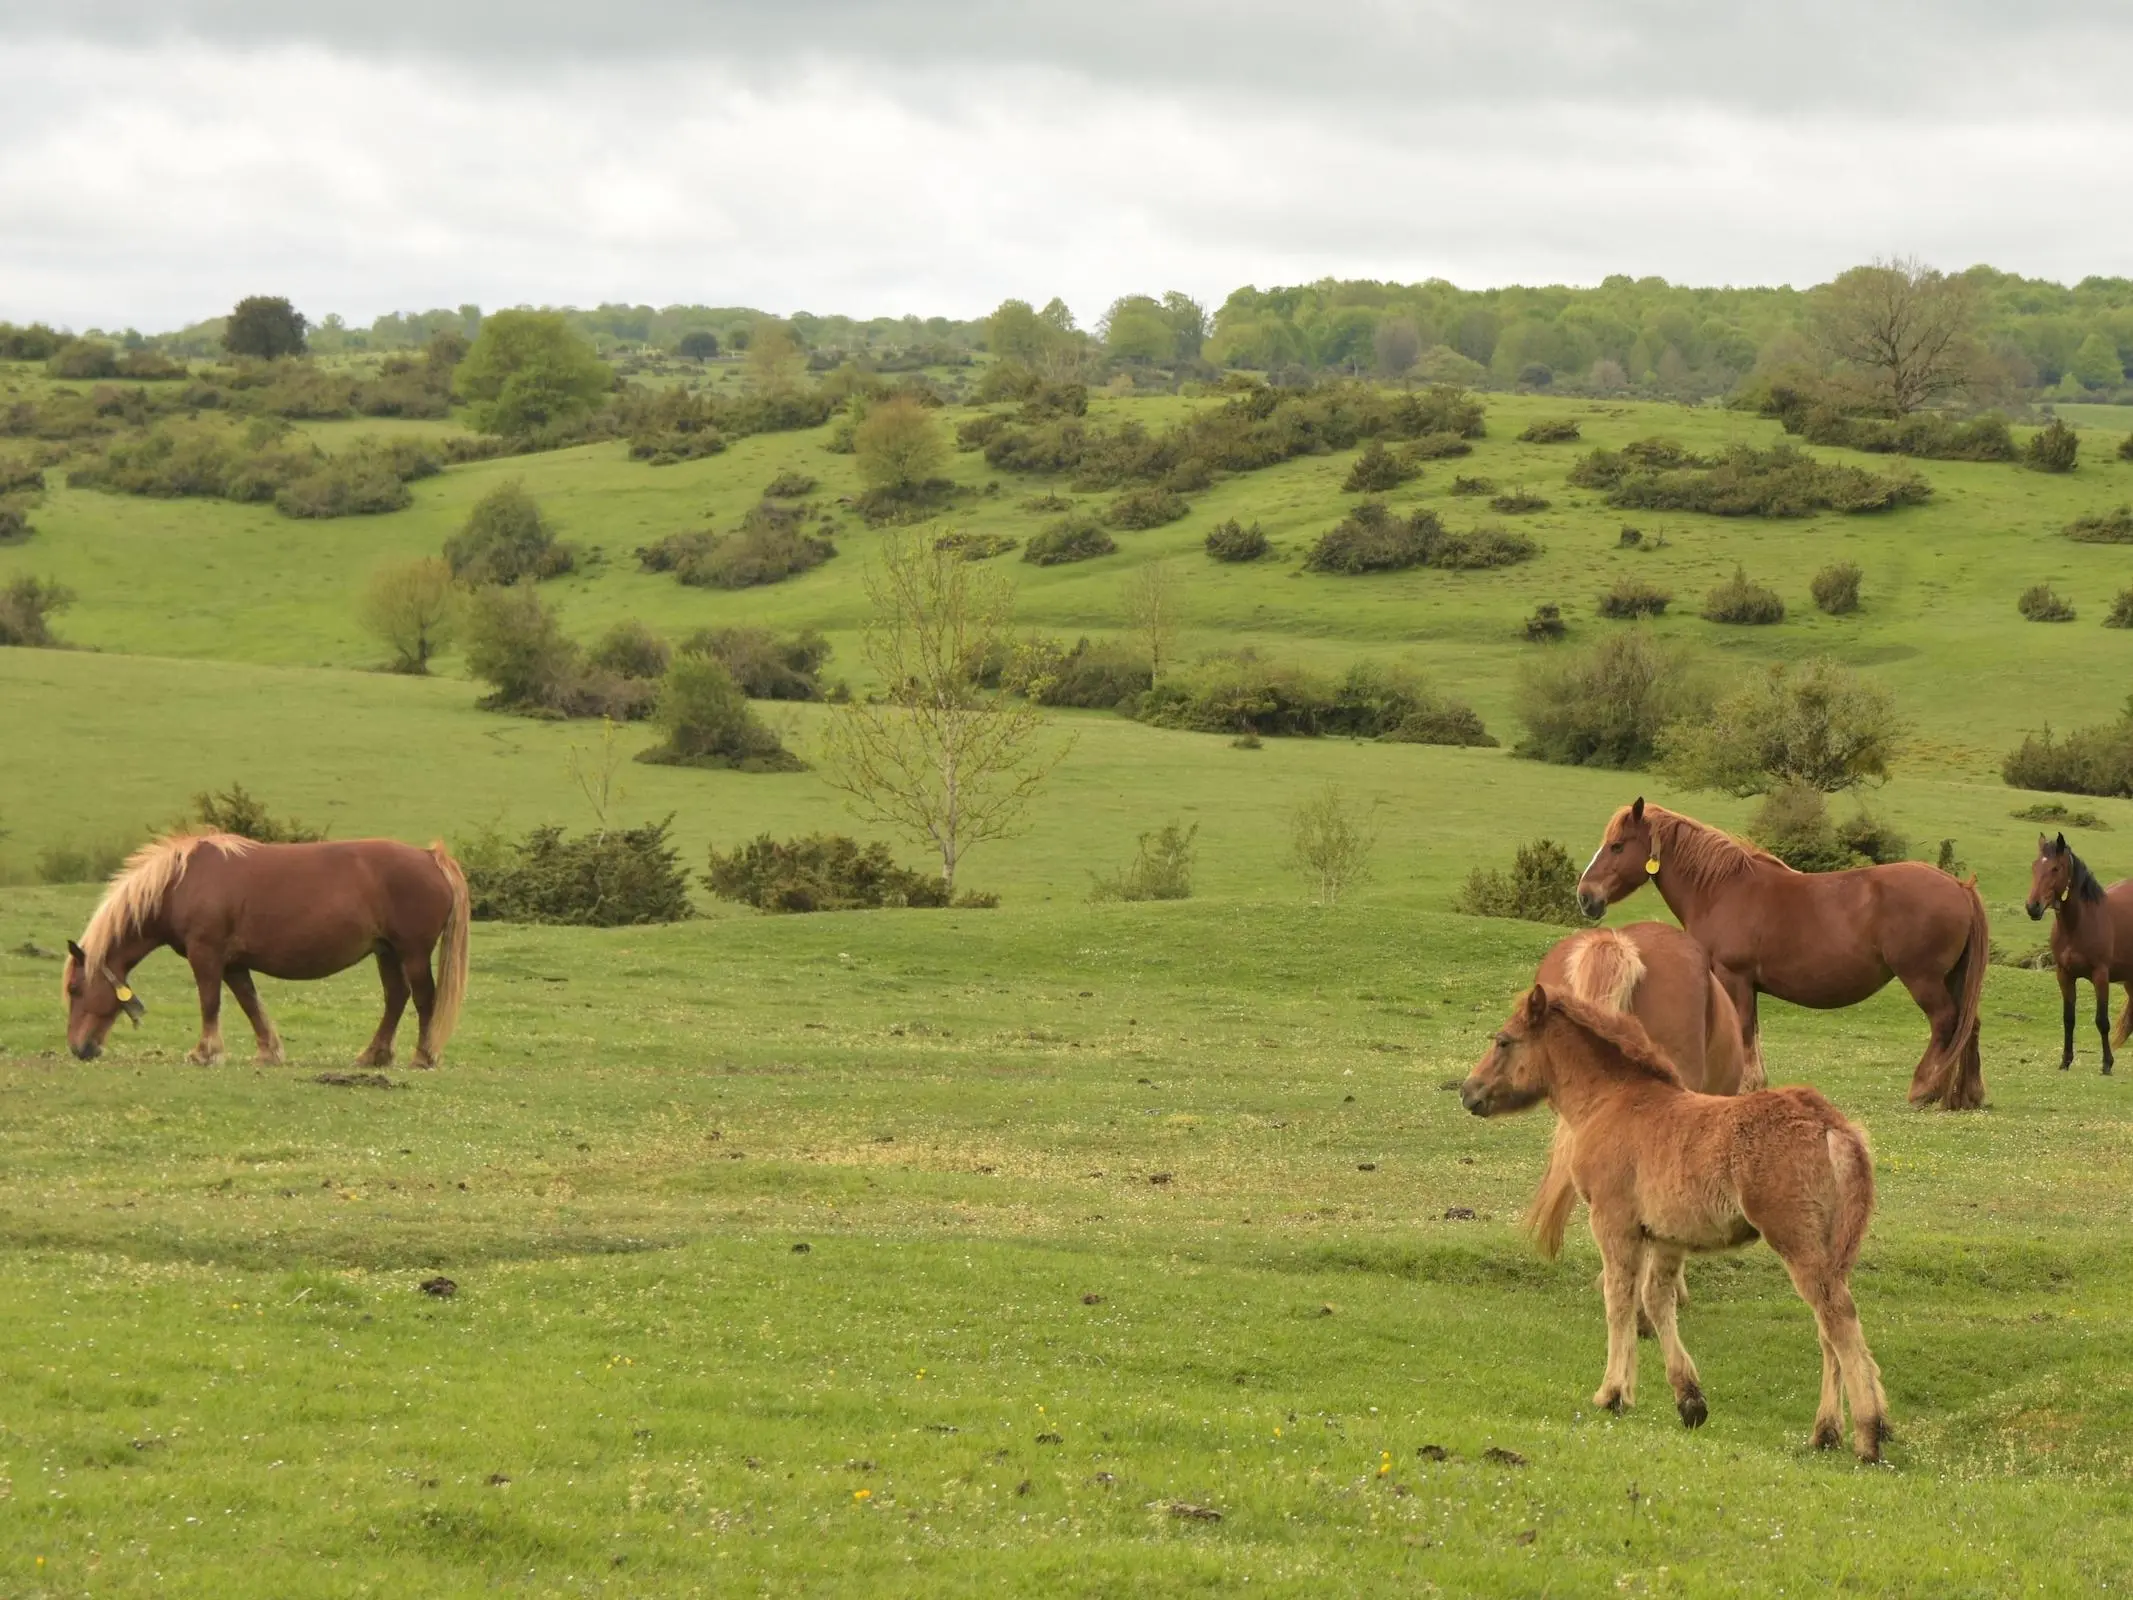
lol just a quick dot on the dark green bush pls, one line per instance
(1793, 824)
(766, 665)
(619, 877)
(1377, 469)
(2095, 760)
(1782, 481)
(1820, 418)
(708, 722)
(1473, 486)
(1632, 598)
(14, 524)
(1445, 723)
(1836, 588)
(1101, 675)
(2125, 448)
(26, 607)
(1161, 868)
(2041, 603)
(83, 360)
(1742, 600)
(1371, 539)
(819, 872)
(1232, 541)
(1517, 501)
(2108, 527)
(975, 433)
(1243, 691)
(506, 540)
(1546, 624)
(1145, 508)
(1606, 706)
(630, 650)
(1075, 537)
(676, 551)
(1630, 538)
(1603, 469)
(2121, 613)
(2055, 447)
(771, 546)
(1542, 886)
(236, 810)
(1550, 430)
(790, 484)
(352, 485)
(1436, 446)
(976, 546)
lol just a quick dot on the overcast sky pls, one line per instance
(160, 158)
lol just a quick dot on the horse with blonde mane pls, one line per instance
(232, 907)
(1659, 975)
(1819, 939)
(1666, 1170)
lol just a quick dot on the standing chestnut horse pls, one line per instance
(1666, 1170)
(232, 907)
(2092, 937)
(1819, 939)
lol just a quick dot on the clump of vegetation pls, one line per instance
(820, 872)
(2058, 815)
(529, 371)
(2040, 602)
(1546, 624)
(1604, 469)
(629, 649)
(771, 545)
(613, 878)
(1517, 501)
(1782, 481)
(2108, 527)
(1742, 600)
(1377, 469)
(1542, 886)
(413, 608)
(2125, 448)
(1436, 446)
(356, 484)
(236, 810)
(901, 457)
(1075, 537)
(1632, 598)
(506, 540)
(26, 608)
(976, 546)
(1473, 486)
(2095, 760)
(1148, 507)
(1550, 430)
(1232, 541)
(1242, 690)
(766, 665)
(2055, 447)
(1794, 825)
(1371, 539)
(1160, 870)
(1102, 675)
(1836, 588)
(1821, 417)
(77, 862)
(516, 645)
(1630, 538)
(1331, 841)
(707, 722)
(2121, 613)
(1821, 724)
(791, 484)
(15, 525)
(1606, 706)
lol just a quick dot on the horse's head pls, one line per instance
(96, 997)
(1626, 857)
(1509, 1077)
(2051, 876)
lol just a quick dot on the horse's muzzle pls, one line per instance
(1592, 903)
(86, 1052)
(1475, 1097)
(2036, 912)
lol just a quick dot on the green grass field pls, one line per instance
(223, 1379)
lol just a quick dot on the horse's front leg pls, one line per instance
(207, 977)
(270, 1051)
(1741, 991)
(2066, 1016)
(1622, 1261)
(2100, 980)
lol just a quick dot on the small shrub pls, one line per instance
(1836, 588)
(2041, 603)
(1479, 548)
(789, 485)
(2125, 448)
(83, 360)
(2055, 447)
(1782, 481)
(26, 607)
(765, 665)
(1072, 538)
(2095, 760)
(2109, 527)
(1093, 676)
(2057, 815)
(1378, 469)
(630, 650)
(1048, 502)
(1872, 841)
(1606, 706)
(1331, 841)
(1546, 624)
(708, 722)
(413, 608)
(235, 810)
(1632, 598)
(517, 646)
(506, 540)
(1542, 886)
(616, 878)
(1445, 722)
(1473, 486)
(1793, 824)
(1232, 541)
(15, 525)
(1742, 600)
(1817, 722)
(1435, 447)
(1550, 430)
(977, 432)
(1630, 538)
(1145, 508)
(81, 863)
(976, 546)
(1160, 870)
(1371, 539)
(676, 551)
(2121, 613)
(770, 547)
(819, 872)
(1517, 501)
(352, 485)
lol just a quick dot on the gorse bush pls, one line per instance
(26, 608)
(2055, 447)
(1782, 481)
(1632, 598)
(1161, 868)
(2095, 760)
(2108, 527)
(1518, 501)
(1607, 705)
(1604, 469)
(1821, 724)
(2121, 613)
(1378, 469)
(1742, 600)
(1103, 675)
(976, 546)
(766, 665)
(1075, 537)
(771, 545)
(1145, 508)
(516, 645)
(1243, 691)
(1821, 417)
(616, 878)
(2041, 603)
(790, 484)
(1546, 624)
(1836, 588)
(1542, 886)
(1550, 430)
(1371, 539)
(1232, 541)
(1793, 824)
(629, 650)
(707, 722)
(1473, 486)
(506, 540)
(819, 872)
(236, 810)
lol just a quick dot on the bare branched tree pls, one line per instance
(1904, 328)
(1330, 843)
(1154, 597)
(939, 757)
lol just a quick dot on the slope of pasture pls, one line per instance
(1107, 1212)
(243, 583)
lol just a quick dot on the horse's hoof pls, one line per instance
(1828, 1435)
(1607, 1400)
(1867, 1437)
(1694, 1413)
(2068, 1062)
(422, 1059)
(204, 1058)
(2107, 1069)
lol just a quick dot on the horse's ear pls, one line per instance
(1636, 809)
(1536, 1004)
(2060, 844)
(77, 953)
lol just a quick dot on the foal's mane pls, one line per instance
(138, 889)
(1621, 1030)
(1707, 856)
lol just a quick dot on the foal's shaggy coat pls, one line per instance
(1666, 1170)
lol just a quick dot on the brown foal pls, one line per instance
(2092, 938)
(1666, 1170)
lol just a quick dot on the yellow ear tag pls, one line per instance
(1651, 867)
(124, 994)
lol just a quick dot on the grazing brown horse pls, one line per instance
(1660, 976)
(232, 907)
(1820, 939)
(2092, 937)
(1666, 1170)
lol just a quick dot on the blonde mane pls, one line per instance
(1617, 1028)
(139, 888)
(1706, 856)
(1604, 966)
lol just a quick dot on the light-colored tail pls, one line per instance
(1604, 968)
(1852, 1161)
(1977, 955)
(1553, 1201)
(451, 953)
(2125, 1020)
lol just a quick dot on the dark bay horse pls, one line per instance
(1666, 1171)
(231, 907)
(2092, 937)
(1819, 939)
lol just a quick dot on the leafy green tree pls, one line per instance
(899, 446)
(1189, 324)
(1014, 333)
(2096, 363)
(412, 607)
(1136, 329)
(1820, 724)
(264, 326)
(527, 370)
(1397, 346)
(699, 344)
(775, 360)
(506, 538)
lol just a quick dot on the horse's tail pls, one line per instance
(1977, 955)
(2125, 1020)
(1852, 1162)
(1605, 967)
(1549, 1212)
(451, 952)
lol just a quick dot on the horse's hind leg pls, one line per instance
(2101, 980)
(1660, 1289)
(416, 971)
(1940, 1068)
(270, 1051)
(207, 977)
(1622, 1261)
(379, 1052)
(1845, 1357)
